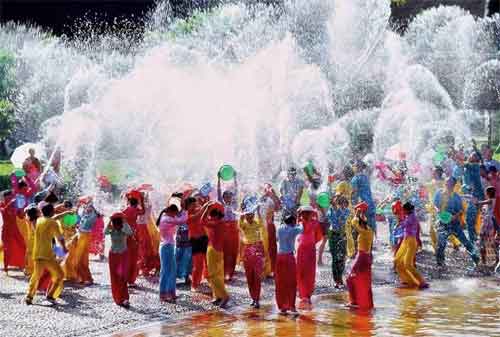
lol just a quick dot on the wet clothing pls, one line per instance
(362, 193)
(285, 283)
(289, 191)
(337, 240)
(306, 258)
(472, 177)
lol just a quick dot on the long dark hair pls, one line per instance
(163, 211)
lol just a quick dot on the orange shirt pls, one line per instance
(195, 227)
(215, 233)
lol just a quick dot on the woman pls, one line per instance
(404, 260)
(253, 252)
(167, 222)
(359, 281)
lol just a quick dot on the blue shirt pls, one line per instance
(454, 203)
(337, 218)
(362, 191)
(286, 237)
(472, 178)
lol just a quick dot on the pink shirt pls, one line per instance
(168, 227)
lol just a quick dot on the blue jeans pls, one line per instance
(444, 231)
(183, 256)
(168, 269)
(470, 219)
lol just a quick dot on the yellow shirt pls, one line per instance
(252, 232)
(365, 236)
(46, 229)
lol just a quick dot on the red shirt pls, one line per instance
(131, 214)
(215, 232)
(195, 228)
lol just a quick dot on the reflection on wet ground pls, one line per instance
(463, 307)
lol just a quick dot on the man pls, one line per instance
(291, 191)
(32, 165)
(448, 202)
(43, 256)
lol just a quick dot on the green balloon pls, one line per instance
(445, 217)
(226, 172)
(19, 172)
(69, 220)
(323, 200)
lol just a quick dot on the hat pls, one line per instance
(205, 189)
(217, 206)
(117, 215)
(249, 205)
(174, 201)
(305, 208)
(362, 206)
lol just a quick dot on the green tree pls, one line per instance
(7, 76)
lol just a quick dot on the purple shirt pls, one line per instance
(410, 225)
(168, 227)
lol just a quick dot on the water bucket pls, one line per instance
(226, 172)
(323, 199)
(19, 172)
(70, 220)
(445, 217)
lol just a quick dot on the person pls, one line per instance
(291, 191)
(285, 272)
(269, 205)
(337, 216)
(183, 253)
(471, 211)
(96, 246)
(132, 212)
(231, 232)
(487, 153)
(167, 222)
(76, 267)
(44, 257)
(344, 189)
(404, 260)
(361, 192)
(306, 253)
(148, 258)
(359, 281)
(32, 213)
(447, 200)
(472, 176)
(14, 245)
(490, 210)
(212, 220)
(32, 165)
(119, 230)
(251, 228)
(199, 242)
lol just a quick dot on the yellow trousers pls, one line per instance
(215, 266)
(267, 261)
(56, 275)
(350, 246)
(405, 263)
(76, 266)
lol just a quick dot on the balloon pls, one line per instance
(19, 172)
(445, 217)
(69, 220)
(226, 172)
(20, 201)
(323, 200)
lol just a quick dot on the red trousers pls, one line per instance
(148, 257)
(133, 258)
(286, 283)
(14, 247)
(253, 262)
(199, 269)
(119, 273)
(359, 281)
(273, 247)
(97, 242)
(231, 247)
(306, 270)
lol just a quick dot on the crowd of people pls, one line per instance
(205, 233)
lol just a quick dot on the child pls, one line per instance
(131, 213)
(119, 231)
(212, 220)
(231, 232)
(286, 282)
(167, 222)
(489, 228)
(253, 255)
(405, 257)
(43, 256)
(359, 281)
(32, 214)
(306, 253)
(337, 216)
